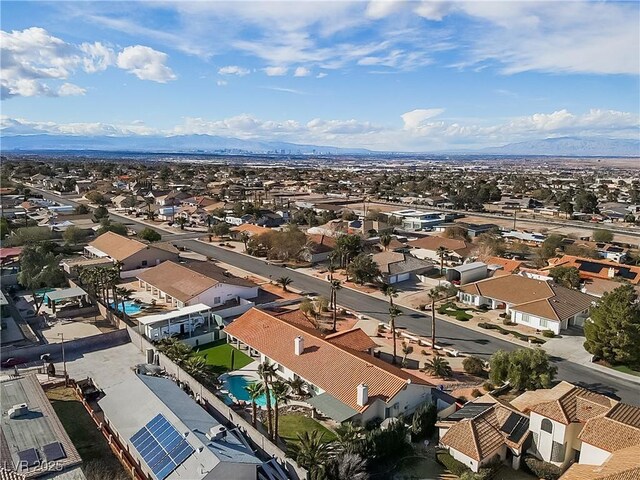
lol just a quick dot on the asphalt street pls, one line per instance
(463, 339)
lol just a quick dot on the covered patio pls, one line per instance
(181, 321)
(67, 296)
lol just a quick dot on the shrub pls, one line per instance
(543, 470)
(548, 334)
(422, 307)
(462, 399)
(462, 316)
(451, 464)
(506, 321)
(423, 352)
(488, 386)
(503, 315)
(475, 393)
(537, 341)
(473, 365)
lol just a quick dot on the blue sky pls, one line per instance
(386, 75)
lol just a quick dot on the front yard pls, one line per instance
(218, 356)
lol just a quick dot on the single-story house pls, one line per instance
(604, 269)
(366, 387)
(427, 248)
(129, 253)
(397, 267)
(538, 304)
(197, 282)
(318, 248)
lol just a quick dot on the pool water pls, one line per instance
(130, 308)
(236, 386)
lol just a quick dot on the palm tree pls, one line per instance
(406, 350)
(335, 286)
(244, 238)
(296, 384)
(439, 367)
(385, 240)
(346, 465)
(254, 390)
(281, 395)
(349, 436)
(310, 451)
(435, 294)
(284, 282)
(266, 372)
(196, 366)
(177, 351)
(391, 292)
(442, 252)
(125, 295)
(182, 222)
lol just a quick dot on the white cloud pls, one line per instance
(222, 83)
(36, 63)
(275, 71)
(68, 89)
(416, 118)
(302, 72)
(322, 75)
(234, 70)
(145, 63)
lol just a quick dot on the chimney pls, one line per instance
(363, 394)
(298, 344)
(611, 272)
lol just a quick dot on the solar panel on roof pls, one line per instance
(519, 430)
(54, 451)
(161, 446)
(510, 423)
(28, 458)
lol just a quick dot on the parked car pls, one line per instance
(13, 361)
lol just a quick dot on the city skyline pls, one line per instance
(383, 75)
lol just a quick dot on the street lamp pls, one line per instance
(64, 362)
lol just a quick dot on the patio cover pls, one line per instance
(65, 293)
(332, 407)
(163, 317)
(95, 251)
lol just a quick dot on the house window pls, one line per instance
(543, 322)
(216, 300)
(144, 263)
(281, 368)
(546, 425)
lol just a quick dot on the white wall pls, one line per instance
(468, 461)
(591, 455)
(534, 321)
(225, 292)
(566, 435)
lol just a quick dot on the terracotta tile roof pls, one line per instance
(513, 289)
(564, 304)
(250, 228)
(598, 268)
(621, 465)
(527, 400)
(609, 435)
(321, 243)
(393, 263)
(434, 242)
(479, 437)
(508, 265)
(118, 247)
(575, 405)
(221, 275)
(321, 360)
(178, 281)
(354, 339)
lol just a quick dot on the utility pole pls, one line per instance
(515, 214)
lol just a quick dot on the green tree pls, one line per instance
(343, 466)
(255, 391)
(613, 331)
(109, 226)
(221, 229)
(100, 213)
(39, 269)
(30, 235)
(524, 369)
(244, 238)
(95, 197)
(602, 235)
(4, 228)
(549, 246)
(423, 423)
(349, 437)
(385, 240)
(181, 221)
(391, 292)
(363, 269)
(473, 365)
(82, 209)
(281, 395)
(586, 202)
(74, 235)
(566, 276)
(310, 452)
(267, 372)
(438, 367)
(149, 234)
(348, 247)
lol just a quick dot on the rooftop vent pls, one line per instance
(18, 410)
(217, 432)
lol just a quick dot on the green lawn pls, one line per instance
(452, 310)
(218, 355)
(291, 425)
(626, 369)
(91, 445)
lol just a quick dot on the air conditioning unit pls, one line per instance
(216, 432)
(18, 410)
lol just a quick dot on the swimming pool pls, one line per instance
(236, 386)
(130, 307)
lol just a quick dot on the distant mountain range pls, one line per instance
(173, 144)
(563, 146)
(570, 146)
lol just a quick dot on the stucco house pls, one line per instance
(538, 304)
(195, 283)
(365, 388)
(130, 254)
(457, 251)
(396, 267)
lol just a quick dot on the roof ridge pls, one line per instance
(346, 350)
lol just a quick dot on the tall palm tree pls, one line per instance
(255, 390)
(244, 238)
(390, 291)
(346, 466)
(385, 240)
(266, 372)
(435, 294)
(284, 282)
(296, 384)
(196, 366)
(335, 286)
(439, 367)
(442, 252)
(281, 396)
(125, 295)
(310, 451)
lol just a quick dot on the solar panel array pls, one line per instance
(161, 446)
(28, 458)
(54, 451)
